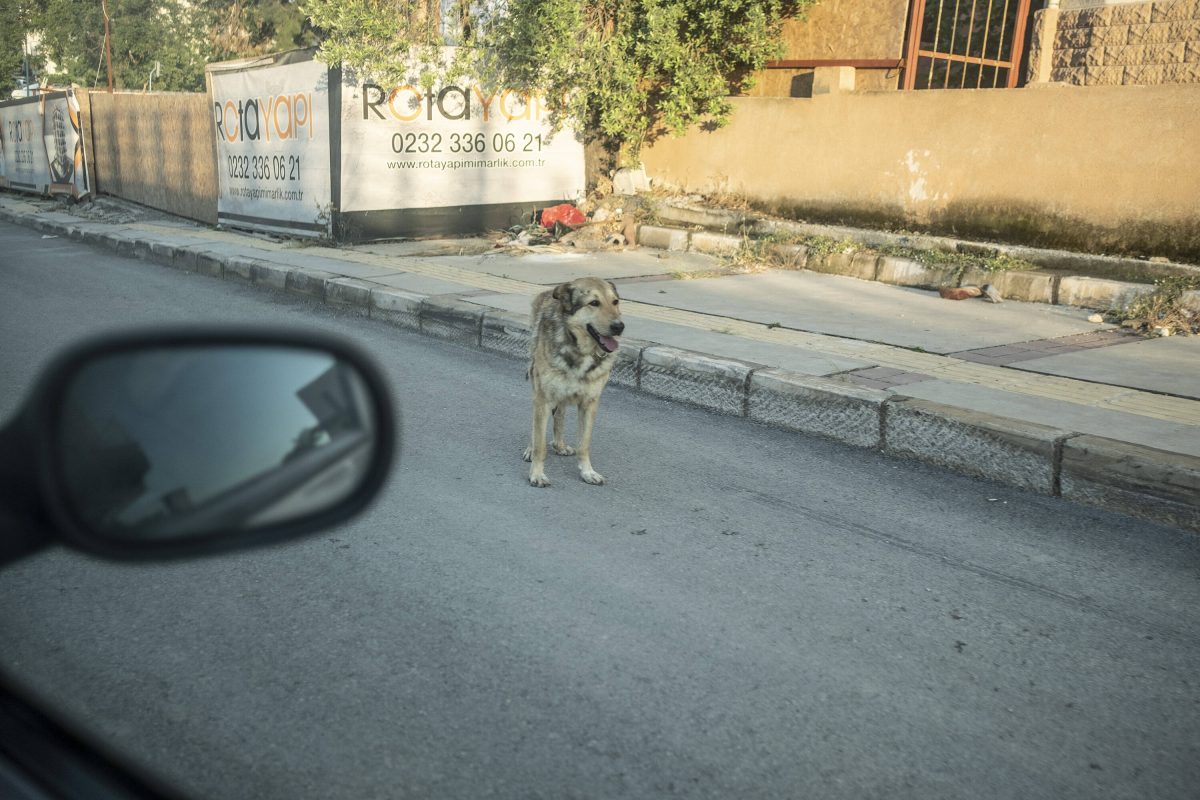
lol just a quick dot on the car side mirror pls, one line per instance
(182, 442)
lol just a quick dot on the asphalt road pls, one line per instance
(740, 612)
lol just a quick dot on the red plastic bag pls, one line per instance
(565, 213)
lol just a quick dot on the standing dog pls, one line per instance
(575, 329)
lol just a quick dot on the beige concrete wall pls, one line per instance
(1101, 169)
(1118, 42)
(156, 149)
(839, 29)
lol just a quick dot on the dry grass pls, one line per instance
(1163, 308)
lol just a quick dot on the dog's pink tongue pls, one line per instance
(609, 343)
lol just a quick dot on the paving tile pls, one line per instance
(910, 378)
(884, 377)
(977, 357)
(866, 383)
(1042, 345)
(878, 373)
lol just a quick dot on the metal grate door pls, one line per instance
(965, 44)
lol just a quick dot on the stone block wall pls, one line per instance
(1121, 43)
(838, 29)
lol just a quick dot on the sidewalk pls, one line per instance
(1029, 394)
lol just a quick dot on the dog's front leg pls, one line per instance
(537, 443)
(560, 423)
(587, 417)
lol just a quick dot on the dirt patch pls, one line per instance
(114, 211)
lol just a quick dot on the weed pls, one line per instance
(647, 212)
(733, 201)
(821, 246)
(753, 256)
(680, 275)
(783, 237)
(1002, 262)
(958, 262)
(1163, 308)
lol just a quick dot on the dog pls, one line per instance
(576, 328)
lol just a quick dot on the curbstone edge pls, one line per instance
(662, 238)
(1075, 290)
(397, 307)
(308, 282)
(907, 272)
(1133, 479)
(1010, 451)
(270, 274)
(863, 266)
(716, 244)
(627, 370)
(182, 257)
(809, 404)
(709, 218)
(210, 264)
(452, 319)
(714, 383)
(1034, 286)
(239, 268)
(505, 332)
(352, 292)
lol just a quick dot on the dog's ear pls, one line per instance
(614, 288)
(565, 296)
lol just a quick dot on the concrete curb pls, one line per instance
(1012, 452)
(748, 224)
(718, 384)
(1034, 286)
(1151, 484)
(1132, 479)
(820, 406)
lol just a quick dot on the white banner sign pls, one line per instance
(41, 145)
(406, 147)
(272, 129)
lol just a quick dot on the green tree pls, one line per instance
(254, 27)
(625, 71)
(16, 16)
(144, 33)
(179, 37)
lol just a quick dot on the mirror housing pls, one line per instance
(184, 441)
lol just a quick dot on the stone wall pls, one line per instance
(839, 29)
(1097, 43)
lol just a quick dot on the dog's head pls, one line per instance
(592, 304)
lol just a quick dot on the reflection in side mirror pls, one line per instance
(190, 441)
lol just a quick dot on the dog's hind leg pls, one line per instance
(536, 454)
(587, 417)
(560, 423)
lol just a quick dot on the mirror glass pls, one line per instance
(187, 441)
